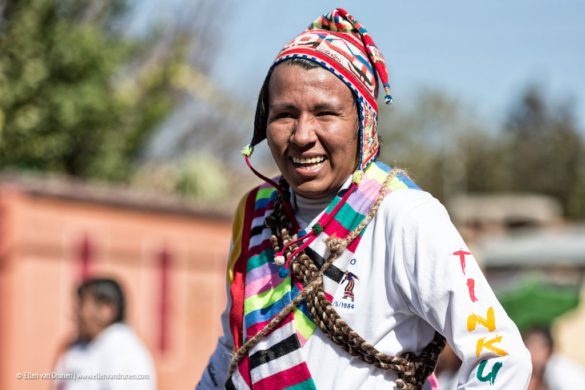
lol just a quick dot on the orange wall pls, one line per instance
(40, 250)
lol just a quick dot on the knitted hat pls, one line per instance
(340, 44)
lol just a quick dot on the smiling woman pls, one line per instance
(343, 274)
(311, 129)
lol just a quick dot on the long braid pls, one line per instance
(411, 369)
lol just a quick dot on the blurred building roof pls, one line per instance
(563, 246)
(505, 209)
(110, 195)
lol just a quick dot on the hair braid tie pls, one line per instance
(411, 369)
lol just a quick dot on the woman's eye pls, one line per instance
(282, 115)
(326, 113)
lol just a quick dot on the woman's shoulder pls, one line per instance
(404, 198)
(409, 206)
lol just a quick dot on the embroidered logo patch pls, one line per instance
(350, 278)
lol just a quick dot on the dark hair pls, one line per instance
(261, 117)
(544, 332)
(105, 290)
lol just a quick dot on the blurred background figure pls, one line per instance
(447, 369)
(550, 370)
(105, 345)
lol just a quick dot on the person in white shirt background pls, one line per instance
(107, 354)
(549, 369)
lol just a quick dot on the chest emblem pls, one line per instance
(350, 278)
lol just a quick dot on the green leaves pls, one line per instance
(60, 104)
(539, 149)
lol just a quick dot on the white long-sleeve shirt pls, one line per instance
(413, 275)
(115, 360)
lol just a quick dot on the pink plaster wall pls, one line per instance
(40, 241)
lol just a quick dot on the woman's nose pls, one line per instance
(304, 131)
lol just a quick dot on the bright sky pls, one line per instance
(480, 52)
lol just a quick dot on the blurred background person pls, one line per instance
(550, 370)
(105, 345)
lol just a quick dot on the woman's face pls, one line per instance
(312, 129)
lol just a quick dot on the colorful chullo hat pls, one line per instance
(340, 44)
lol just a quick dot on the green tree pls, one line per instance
(431, 139)
(545, 151)
(445, 148)
(76, 95)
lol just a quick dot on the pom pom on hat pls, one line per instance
(279, 260)
(248, 150)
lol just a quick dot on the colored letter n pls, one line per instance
(489, 322)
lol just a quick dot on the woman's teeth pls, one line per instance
(308, 161)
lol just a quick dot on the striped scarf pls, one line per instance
(260, 290)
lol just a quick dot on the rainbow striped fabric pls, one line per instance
(259, 292)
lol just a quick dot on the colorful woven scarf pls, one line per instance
(260, 290)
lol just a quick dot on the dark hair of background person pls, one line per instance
(542, 332)
(105, 290)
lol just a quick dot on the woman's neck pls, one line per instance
(307, 209)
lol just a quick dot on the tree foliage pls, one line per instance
(76, 95)
(445, 147)
(545, 151)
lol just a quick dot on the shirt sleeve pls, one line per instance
(134, 361)
(448, 290)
